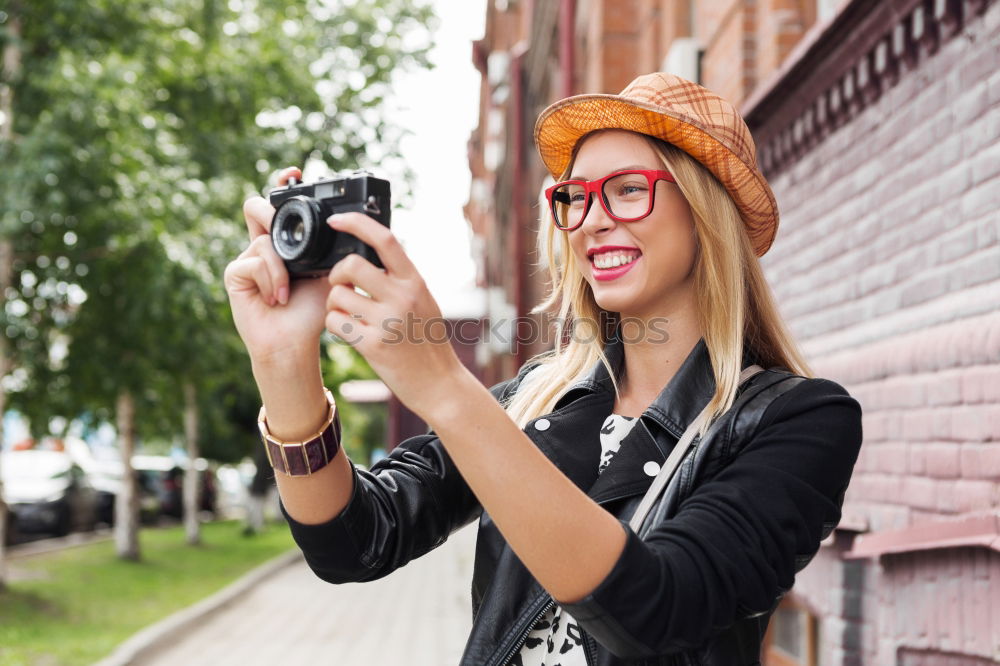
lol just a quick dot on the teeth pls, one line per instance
(614, 259)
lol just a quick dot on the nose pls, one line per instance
(596, 220)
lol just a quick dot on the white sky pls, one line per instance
(441, 108)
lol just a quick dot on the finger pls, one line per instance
(355, 270)
(369, 231)
(289, 172)
(263, 248)
(249, 274)
(347, 300)
(258, 213)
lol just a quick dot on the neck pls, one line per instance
(652, 359)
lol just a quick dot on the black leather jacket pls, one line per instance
(744, 512)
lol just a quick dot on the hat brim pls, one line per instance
(561, 125)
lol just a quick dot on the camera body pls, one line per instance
(299, 232)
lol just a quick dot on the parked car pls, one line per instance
(47, 492)
(106, 477)
(164, 478)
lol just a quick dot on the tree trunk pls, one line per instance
(6, 265)
(259, 487)
(127, 501)
(192, 487)
(11, 70)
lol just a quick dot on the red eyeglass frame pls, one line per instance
(591, 187)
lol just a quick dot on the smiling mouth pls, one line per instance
(607, 260)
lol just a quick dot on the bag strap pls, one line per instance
(674, 459)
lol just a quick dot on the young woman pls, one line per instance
(656, 223)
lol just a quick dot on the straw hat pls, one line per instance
(682, 113)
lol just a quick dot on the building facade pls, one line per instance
(878, 127)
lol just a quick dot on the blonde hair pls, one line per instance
(736, 307)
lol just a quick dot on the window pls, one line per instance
(791, 638)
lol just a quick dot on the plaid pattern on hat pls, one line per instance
(682, 113)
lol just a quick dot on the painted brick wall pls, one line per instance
(960, 588)
(837, 609)
(887, 267)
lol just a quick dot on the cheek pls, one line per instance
(578, 253)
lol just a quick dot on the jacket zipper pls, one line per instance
(589, 649)
(527, 632)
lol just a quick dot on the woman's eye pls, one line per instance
(631, 189)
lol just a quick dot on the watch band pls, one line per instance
(309, 455)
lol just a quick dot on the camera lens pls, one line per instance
(296, 232)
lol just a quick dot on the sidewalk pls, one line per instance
(420, 614)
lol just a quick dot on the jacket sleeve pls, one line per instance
(405, 506)
(738, 540)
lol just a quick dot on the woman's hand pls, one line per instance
(398, 327)
(277, 323)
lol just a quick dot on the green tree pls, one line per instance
(126, 155)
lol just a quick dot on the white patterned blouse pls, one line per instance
(555, 640)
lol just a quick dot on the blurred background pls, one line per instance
(131, 474)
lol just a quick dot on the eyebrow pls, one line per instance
(631, 167)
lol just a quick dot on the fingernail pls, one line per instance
(283, 295)
(333, 220)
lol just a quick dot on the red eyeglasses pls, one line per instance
(626, 196)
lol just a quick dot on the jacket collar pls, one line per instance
(680, 401)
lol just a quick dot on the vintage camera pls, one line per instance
(300, 234)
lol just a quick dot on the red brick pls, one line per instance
(904, 393)
(943, 461)
(971, 424)
(981, 384)
(918, 425)
(917, 460)
(976, 72)
(978, 134)
(916, 491)
(957, 244)
(979, 268)
(945, 390)
(986, 164)
(892, 458)
(620, 17)
(980, 199)
(993, 89)
(867, 460)
(873, 424)
(953, 182)
(975, 495)
(990, 390)
(987, 231)
(947, 497)
(980, 461)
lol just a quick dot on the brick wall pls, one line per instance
(887, 267)
(780, 26)
(675, 21)
(612, 44)
(939, 603)
(725, 31)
